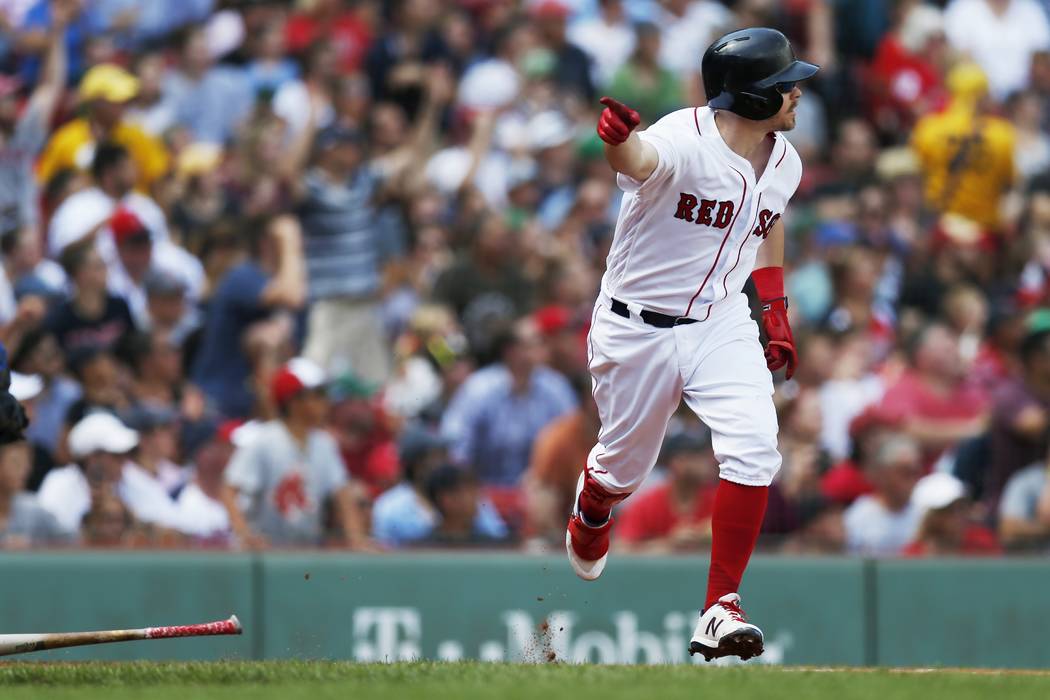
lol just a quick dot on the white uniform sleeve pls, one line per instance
(660, 136)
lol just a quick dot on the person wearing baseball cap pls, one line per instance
(98, 444)
(104, 91)
(291, 469)
(945, 528)
(133, 242)
(24, 128)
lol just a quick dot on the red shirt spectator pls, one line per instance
(934, 400)
(905, 74)
(977, 541)
(675, 514)
(348, 32)
(656, 514)
(945, 529)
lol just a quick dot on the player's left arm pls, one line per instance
(769, 282)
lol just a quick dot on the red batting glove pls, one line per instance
(780, 344)
(617, 121)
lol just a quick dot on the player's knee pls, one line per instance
(754, 465)
(617, 472)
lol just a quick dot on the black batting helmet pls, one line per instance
(747, 71)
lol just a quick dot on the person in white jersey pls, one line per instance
(705, 189)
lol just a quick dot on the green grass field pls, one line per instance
(321, 680)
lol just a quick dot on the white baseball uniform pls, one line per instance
(685, 243)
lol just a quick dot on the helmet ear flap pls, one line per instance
(758, 104)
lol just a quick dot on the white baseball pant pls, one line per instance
(640, 373)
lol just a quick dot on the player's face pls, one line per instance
(784, 120)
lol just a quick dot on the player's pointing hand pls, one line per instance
(617, 121)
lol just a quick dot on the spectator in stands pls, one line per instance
(98, 443)
(675, 515)
(404, 515)
(934, 399)
(104, 92)
(345, 243)
(270, 278)
(348, 29)
(689, 27)
(1020, 424)
(497, 413)
(945, 528)
(98, 374)
(270, 67)
(279, 484)
(157, 380)
(846, 480)
(908, 67)
(166, 308)
(91, 317)
(607, 38)
(157, 450)
(210, 100)
(976, 28)
(134, 248)
(572, 67)
(884, 522)
(821, 530)
(967, 159)
(642, 82)
(200, 501)
(485, 283)
(24, 523)
(1024, 509)
(309, 102)
(364, 433)
(39, 354)
(25, 131)
(455, 496)
(558, 457)
(121, 220)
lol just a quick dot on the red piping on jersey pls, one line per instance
(743, 195)
(747, 235)
(782, 155)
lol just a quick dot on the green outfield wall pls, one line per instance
(533, 609)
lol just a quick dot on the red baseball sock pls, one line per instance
(595, 502)
(735, 524)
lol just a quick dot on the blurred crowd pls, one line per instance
(320, 272)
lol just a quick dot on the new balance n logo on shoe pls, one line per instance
(712, 627)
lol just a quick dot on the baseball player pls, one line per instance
(705, 189)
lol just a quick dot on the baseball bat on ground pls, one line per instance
(22, 643)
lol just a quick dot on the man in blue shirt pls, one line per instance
(272, 278)
(495, 416)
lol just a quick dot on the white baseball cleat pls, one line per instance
(723, 630)
(587, 545)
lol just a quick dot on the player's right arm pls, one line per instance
(625, 152)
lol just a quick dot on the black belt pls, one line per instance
(653, 318)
